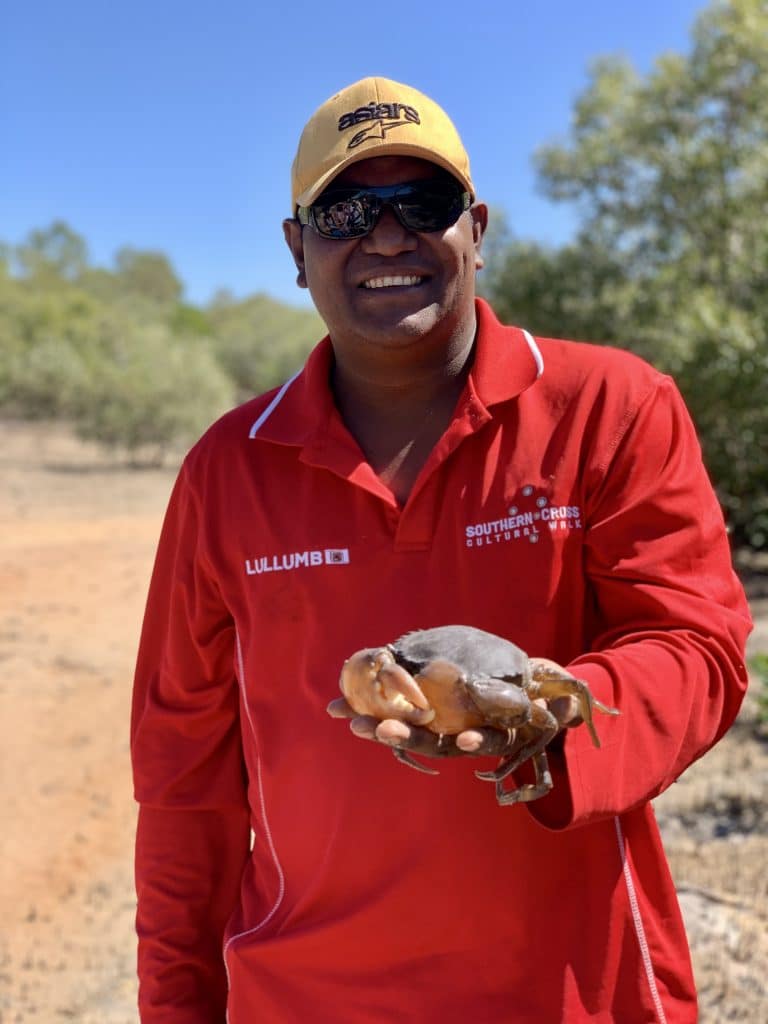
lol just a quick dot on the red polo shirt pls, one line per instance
(565, 508)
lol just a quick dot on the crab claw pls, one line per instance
(374, 684)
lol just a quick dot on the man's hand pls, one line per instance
(418, 740)
(485, 742)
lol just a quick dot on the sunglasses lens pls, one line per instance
(343, 215)
(421, 206)
(431, 208)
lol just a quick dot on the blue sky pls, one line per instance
(172, 126)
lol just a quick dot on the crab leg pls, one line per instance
(532, 791)
(542, 726)
(440, 746)
(551, 683)
(405, 758)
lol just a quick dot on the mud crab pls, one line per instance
(454, 678)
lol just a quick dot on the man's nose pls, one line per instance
(389, 236)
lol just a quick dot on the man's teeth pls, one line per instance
(392, 282)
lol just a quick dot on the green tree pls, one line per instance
(671, 171)
(670, 174)
(92, 357)
(578, 289)
(49, 337)
(725, 382)
(153, 391)
(261, 342)
(55, 252)
(148, 274)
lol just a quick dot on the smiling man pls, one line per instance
(428, 466)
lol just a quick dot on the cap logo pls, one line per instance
(384, 117)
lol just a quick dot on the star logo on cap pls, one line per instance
(377, 130)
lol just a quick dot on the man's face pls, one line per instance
(394, 286)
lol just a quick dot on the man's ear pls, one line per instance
(479, 214)
(295, 242)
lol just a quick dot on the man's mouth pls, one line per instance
(393, 281)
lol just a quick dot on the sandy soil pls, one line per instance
(77, 537)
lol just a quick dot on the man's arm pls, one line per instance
(667, 617)
(193, 827)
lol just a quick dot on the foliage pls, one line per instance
(260, 342)
(52, 253)
(724, 382)
(47, 339)
(673, 169)
(148, 274)
(758, 664)
(544, 288)
(119, 355)
(152, 391)
(670, 175)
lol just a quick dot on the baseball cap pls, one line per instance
(374, 117)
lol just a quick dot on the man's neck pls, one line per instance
(392, 383)
(399, 412)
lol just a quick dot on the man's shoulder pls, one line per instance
(236, 423)
(589, 369)
(231, 432)
(565, 365)
(580, 358)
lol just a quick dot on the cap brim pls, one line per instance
(308, 196)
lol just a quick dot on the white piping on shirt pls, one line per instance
(638, 923)
(265, 822)
(272, 406)
(264, 416)
(535, 352)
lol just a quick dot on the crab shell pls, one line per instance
(448, 679)
(455, 678)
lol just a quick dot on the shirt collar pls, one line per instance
(506, 362)
(507, 359)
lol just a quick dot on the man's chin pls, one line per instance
(401, 323)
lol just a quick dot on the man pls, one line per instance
(428, 466)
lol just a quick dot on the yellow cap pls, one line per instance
(374, 117)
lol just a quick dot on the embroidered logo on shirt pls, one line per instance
(527, 519)
(296, 560)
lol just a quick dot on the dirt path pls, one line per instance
(77, 538)
(76, 544)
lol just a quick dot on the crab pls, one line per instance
(455, 678)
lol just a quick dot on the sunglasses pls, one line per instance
(428, 205)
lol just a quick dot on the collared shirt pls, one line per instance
(565, 508)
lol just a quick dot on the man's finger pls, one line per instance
(487, 742)
(391, 732)
(394, 733)
(566, 711)
(364, 727)
(340, 709)
(415, 739)
(484, 742)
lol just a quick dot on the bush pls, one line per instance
(260, 342)
(154, 391)
(45, 341)
(723, 381)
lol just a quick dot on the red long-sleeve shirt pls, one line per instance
(565, 508)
